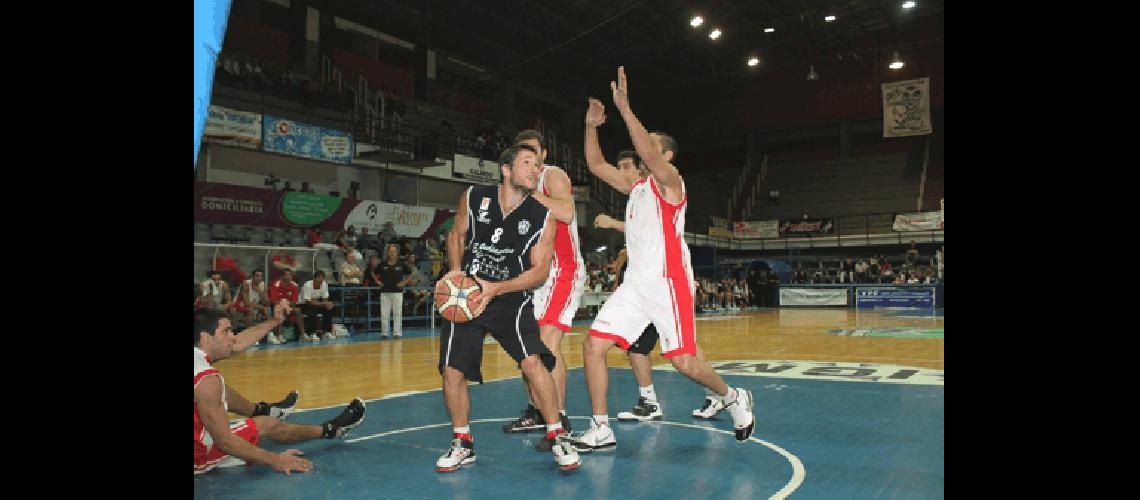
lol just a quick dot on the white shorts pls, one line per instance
(665, 302)
(556, 301)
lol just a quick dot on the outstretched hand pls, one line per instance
(620, 90)
(595, 113)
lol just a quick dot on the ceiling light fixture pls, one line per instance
(896, 61)
(697, 21)
(753, 61)
(812, 75)
(829, 18)
(715, 33)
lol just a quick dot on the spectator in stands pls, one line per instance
(911, 255)
(420, 280)
(754, 284)
(367, 241)
(388, 234)
(347, 241)
(282, 261)
(847, 271)
(288, 186)
(250, 298)
(423, 258)
(800, 276)
(314, 236)
(372, 271)
(352, 276)
(305, 187)
(214, 293)
(860, 271)
(394, 276)
(225, 263)
(774, 197)
(886, 272)
(774, 288)
(350, 272)
(699, 295)
(286, 288)
(805, 215)
(315, 300)
(873, 270)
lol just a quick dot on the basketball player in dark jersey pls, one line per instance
(504, 238)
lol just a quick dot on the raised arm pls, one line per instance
(561, 199)
(595, 160)
(665, 173)
(253, 334)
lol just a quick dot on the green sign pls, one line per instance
(308, 209)
(908, 332)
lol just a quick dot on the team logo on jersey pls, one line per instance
(498, 233)
(524, 227)
(483, 206)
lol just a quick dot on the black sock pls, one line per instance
(261, 409)
(329, 430)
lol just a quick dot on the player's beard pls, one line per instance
(525, 191)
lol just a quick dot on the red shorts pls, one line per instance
(556, 301)
(207, 455)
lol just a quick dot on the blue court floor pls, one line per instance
(815, 438)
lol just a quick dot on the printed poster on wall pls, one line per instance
(232, 127)
(906, 108)
(476, 170)
(307, 141)
(756, 229)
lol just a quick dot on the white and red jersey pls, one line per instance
(202, 439)
(655, 234)
(255, 292)
(556, 300)
(567, 254)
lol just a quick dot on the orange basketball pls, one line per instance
(451, 295)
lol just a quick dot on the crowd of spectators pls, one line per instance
(250, 73)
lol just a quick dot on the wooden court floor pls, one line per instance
(331, 375)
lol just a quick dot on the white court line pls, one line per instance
(798, 472)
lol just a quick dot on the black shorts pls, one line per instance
(645, 342)
(510, 320)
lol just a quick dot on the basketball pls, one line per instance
(452, 293)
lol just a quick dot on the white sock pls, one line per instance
(553, 427)
(602, 419)
(562, 412)
(647, 392)
(712, 395)
(462, 430)
(730, 396)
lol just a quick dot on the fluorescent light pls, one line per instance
(896, 61)
(715, 33)
(829, 18)
(908, 5)
(753, 61)
(769, 30)
(697, 21)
